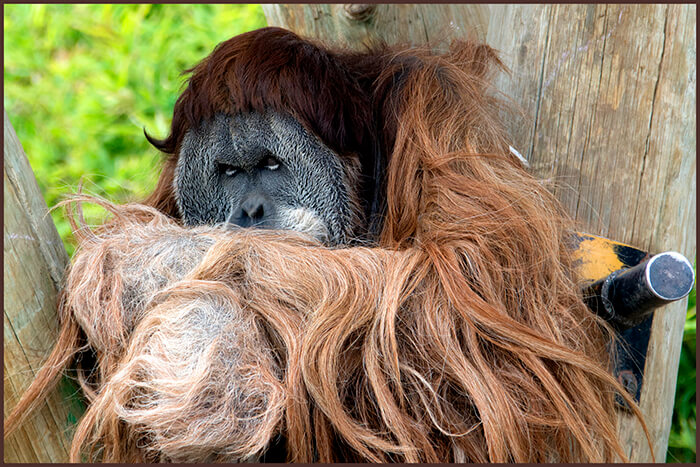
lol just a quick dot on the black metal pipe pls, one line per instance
(627, 296)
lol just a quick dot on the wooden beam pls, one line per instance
(34, 263)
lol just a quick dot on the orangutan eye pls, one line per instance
(271, 163)
(228, 170)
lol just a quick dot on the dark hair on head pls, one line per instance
(272, 68)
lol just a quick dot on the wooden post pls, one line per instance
(607, 94)
(34, 263)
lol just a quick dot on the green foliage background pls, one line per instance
(682, 442)
(83, 81)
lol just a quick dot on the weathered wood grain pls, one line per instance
(34, 262)
(606, 100)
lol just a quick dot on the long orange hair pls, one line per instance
(459, 336)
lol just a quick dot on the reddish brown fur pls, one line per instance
(461, 336)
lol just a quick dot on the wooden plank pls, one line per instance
(34, 262)
(606, 112)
